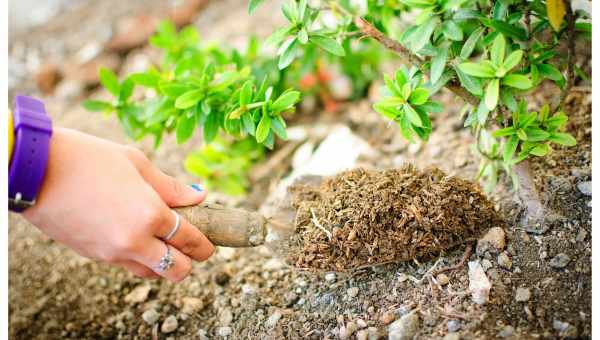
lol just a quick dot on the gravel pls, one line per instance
(353, 292)
(224, 331)
(522, 294)
(453, 326)
(169, 325)
(504, 261)
(405, 328)
(150, 316)
(506, 332)
(585, 188)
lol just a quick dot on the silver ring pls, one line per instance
(166, 261)
(175, 228)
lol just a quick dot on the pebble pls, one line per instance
(442, 279)
(330, 277)
(202, 334)
(361, 323)
(585, 188)
(388, 317)
(150, 316)
(273, 319)
(373, 333)
(453, 326)
(224, 331)
(192, 304)
(290, 298)
(581, 235)
(347, 331)
(225, 317)
(138, 294)
(274, 264)
(452, 336)
(560, 261)
(494, 240)
(507, 332)
(221, 278)
(479, 284)
(248, 289)
(486, 264)
(169, 325)
(522, 294)
(566, 330)
(352, 292)
(405, 328)
(363, 334)
(504, 260)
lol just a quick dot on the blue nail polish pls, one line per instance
(197, 187)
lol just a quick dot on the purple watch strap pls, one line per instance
(33, 129)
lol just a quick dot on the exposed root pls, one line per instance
(460, 264)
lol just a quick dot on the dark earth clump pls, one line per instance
(362, 217)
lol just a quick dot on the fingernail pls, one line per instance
(197, 187)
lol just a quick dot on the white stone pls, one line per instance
(479, 284)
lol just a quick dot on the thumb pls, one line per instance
(172, 192)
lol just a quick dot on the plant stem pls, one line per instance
(570, 52)
(535, 212)
(392, 45)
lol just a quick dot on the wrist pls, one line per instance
(32, 132)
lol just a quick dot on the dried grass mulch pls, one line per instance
(362, 217)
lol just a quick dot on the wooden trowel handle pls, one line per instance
(227, 227)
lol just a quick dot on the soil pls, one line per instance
(363, 217)
(251, 293)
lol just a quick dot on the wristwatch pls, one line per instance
(32, 131)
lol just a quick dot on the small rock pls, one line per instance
(47, 77)
(585, 188)
(388, 317)
(224, 331)
(192, 304)
(442, 279)
(274, 264)
(273, 319)
(352, 292)
(507, 332)
(486, 264)
(202, 334)
(581, 235)
(330, 277)
(565, 329)
(290, 298)
(363, 334)
(225, 317)
(504, 260)
(522, 294)
(405, 328)
(169, 325)
(479, 284)
(452, 336)
(494, 240)
(560, 261)
(351, 327)
(373, 333)
(69, 90)
(453, 326)
(132, 33)
(150, 316)
(248, 289)
(361, 323)
(138, 294)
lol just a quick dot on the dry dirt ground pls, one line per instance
(251, 293)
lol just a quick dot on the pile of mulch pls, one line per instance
(362, 217)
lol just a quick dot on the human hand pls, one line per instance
(108, 202)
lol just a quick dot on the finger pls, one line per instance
(138, 269)
(152, 253)
(188, 239)
(173, 192)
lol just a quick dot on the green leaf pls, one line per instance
(406, 91)
(278, 126)
(433, 107)
(252, 4)
(248, 124)
(189, 99)
(303, 36)
(423, 33)
(471, 42)
(540, 150)
(513, 60)
(405, 128)
(185, 128)
(147, 79)
(211, 127)
(246, 93)
(452, 31)
(277, 37)
(109, 80)
(285, 101)
(400, 78)
(287, 53)
(508, 99)
(491, 94)
(557, 121)
(97, 106)
(550, 72)
(562, 139)
(328, 44)
(509, 30)
(498, 50)
(521, 134)
(482, 113)
(480, 70)
(536, 134)
(508, 131)
(412, 115)
(264, 126)
(472, 84)
(510, 147)
(438, 63)
(418, 96)
(518, 81)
